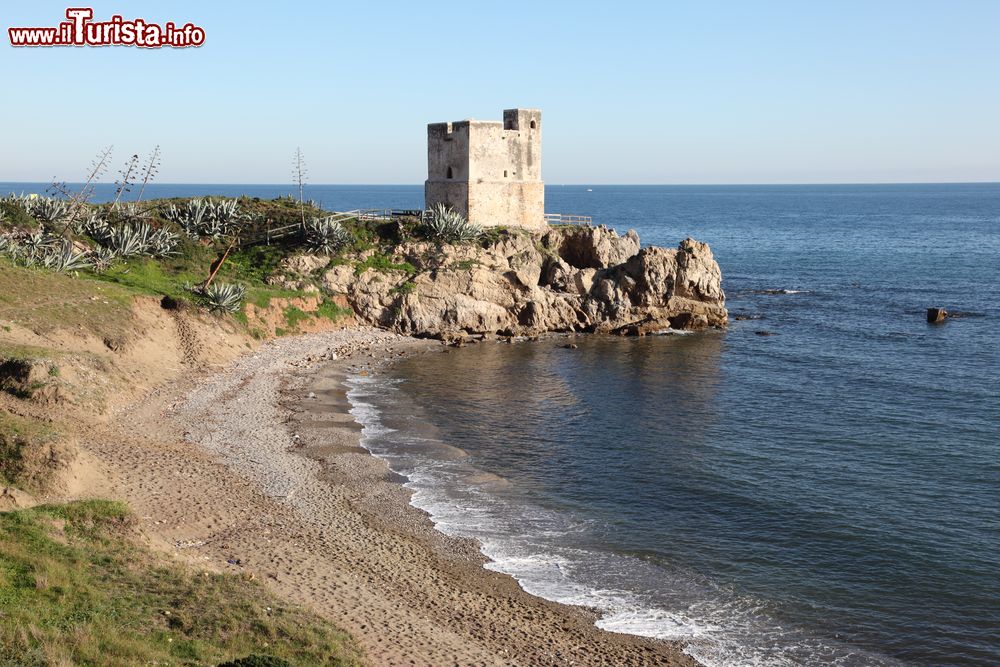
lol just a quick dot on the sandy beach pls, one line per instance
(256, 468)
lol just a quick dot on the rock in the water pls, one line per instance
(936, 315)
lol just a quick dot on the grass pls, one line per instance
(75, 588)
(466, 264)
(383, 262)
(294, 316)
(255, 264)
(261, 295)
(404, 288)
(25, 352)
(18, 437)
(332, 311)
(169, 277)
(149, 276)
(45, 301)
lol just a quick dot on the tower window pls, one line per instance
(451, 174)
(532, 125)
(505, 173)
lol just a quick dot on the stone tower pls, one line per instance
(489, 171)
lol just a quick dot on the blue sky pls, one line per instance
(631, 92)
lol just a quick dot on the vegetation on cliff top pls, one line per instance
(28, 237)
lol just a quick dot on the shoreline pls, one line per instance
(263, 474)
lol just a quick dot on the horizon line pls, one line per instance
(580, 184)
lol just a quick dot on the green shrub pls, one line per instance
(382, 262)
(256, 263)
(405, 288)
(293, 316)
(14, 216)
(333, 312)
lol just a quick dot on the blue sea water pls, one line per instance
(827, 494)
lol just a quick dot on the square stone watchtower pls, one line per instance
(489, 171)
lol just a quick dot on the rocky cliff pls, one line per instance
(525, 283)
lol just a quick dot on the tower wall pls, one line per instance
(489, 171)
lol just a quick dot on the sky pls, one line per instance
(671, 91)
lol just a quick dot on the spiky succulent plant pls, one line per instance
(226, 211)
(224, 297)
(326, 235)
(95, 226)
(102, 259)
(191, 217)
(35, 246)
(128, 212)
(49, 211)
(64, 257)
(207, 217)
(29, 249)
(161, 243)
(133, 239)
(124, 240)
(23, 201)
(175, 214)
(445, 225)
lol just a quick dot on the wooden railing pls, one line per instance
(564, 219)
(265, 234)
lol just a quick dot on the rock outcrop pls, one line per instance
(526, 283)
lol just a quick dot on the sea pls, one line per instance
(817, 485)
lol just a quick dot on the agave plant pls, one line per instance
(64, 257)
(207, 218)
(130, 211)
(34, 247)
(161, 243)
(445, 225)
(133, 239)
(175, 214)
(94, 226)
(224, 219)
(124, 240)
(190, 217)
(326, 235)
(49, 211)
(224, 297)
(227, 211)
(22, 201)
(10, 245)
(102, 259)
(29, 249)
